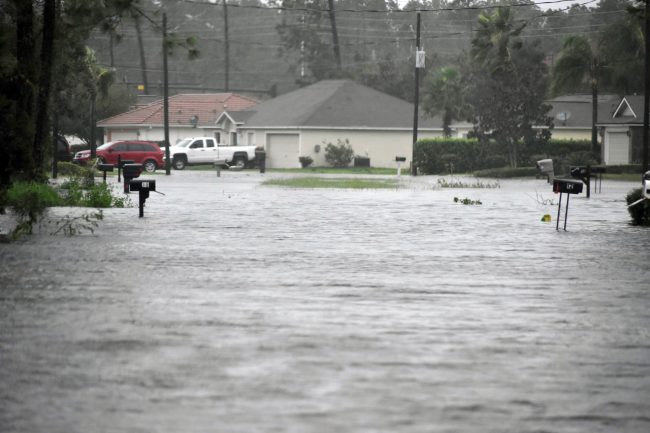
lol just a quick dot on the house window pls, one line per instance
(251, 138)
(217, 136)
(233, 139)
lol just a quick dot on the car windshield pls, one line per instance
(105, 145)
(184, 143)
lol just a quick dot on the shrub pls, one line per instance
(507, 172)
(641, 212)
(438, 155)
(339, 155)
(30, 200)
(99, 195)
(305, 161)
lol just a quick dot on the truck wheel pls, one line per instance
(179, 163)
(149, 165)
(240, 161)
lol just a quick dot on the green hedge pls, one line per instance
(445, 155)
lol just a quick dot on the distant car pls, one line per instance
(62, 149)
(147, 153)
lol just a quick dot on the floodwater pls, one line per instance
(236, 307)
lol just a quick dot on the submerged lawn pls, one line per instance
(321, 182)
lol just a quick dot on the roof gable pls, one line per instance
(624, 109)
(183, 108)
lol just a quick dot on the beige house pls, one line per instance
(301, 123)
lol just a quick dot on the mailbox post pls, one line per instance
(143, 186)
(120, 165)
(104, 168)
(569, 187)
(399, 160)
(545, 167)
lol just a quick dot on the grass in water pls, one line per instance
(321, 182)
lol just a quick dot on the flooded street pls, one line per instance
(237, 307)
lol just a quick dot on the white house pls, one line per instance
(301, 123)
(621, 125)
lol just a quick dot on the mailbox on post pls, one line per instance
(129, 172)
(569, 187)
(143, 186)
(104, 168)
(585, 173)
(399, 160)
(545, 167)
(120, 166)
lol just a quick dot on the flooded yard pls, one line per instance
(238, 307)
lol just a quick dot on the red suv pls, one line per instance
(147, 153)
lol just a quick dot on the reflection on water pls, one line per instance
(242, 308)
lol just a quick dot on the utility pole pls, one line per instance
(227, 44)
(416, 103)
(335, 36)
(646, 93)
(168, 163)
(143, 61)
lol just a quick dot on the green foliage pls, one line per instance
(344, 183)
(467, 201)
(506, 86)
(507, 172)
(305, 161)
(641, 212)
(455, 183)
(99, 195)
(436, 156)
(30, 200)
(339, 155)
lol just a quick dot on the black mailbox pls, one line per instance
(129, 172)
(104, 168)
(579, 172)
(567, 186)
(400, 159)
(143, 186)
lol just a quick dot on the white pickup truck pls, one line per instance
(205, 150)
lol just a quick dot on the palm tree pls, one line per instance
(578, 66)
(496, 39)
(444, 96)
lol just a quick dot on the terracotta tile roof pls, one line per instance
(182, 107)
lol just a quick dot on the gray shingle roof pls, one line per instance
(337, 103)
(574, 111)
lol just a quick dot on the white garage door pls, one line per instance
(282, 151)
(617, 148)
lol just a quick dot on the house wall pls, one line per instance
(571, 133)
(158, 134)
(380, 146)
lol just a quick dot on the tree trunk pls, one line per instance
(27, 75)
(45, 84)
